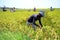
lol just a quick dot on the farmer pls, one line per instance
(34, 18)
(51, 9)
(4, 8)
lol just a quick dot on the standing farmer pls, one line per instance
(51, 9)
(34, 18)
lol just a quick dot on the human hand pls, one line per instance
(39, 26)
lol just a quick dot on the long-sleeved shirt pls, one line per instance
(34, 18)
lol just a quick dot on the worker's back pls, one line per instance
(33, 17)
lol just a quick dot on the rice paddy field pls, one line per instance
(13, 25)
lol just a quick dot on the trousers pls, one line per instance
(34, 26)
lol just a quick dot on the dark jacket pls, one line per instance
(34, 18)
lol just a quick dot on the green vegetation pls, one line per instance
(7, 35)
(13, 25)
